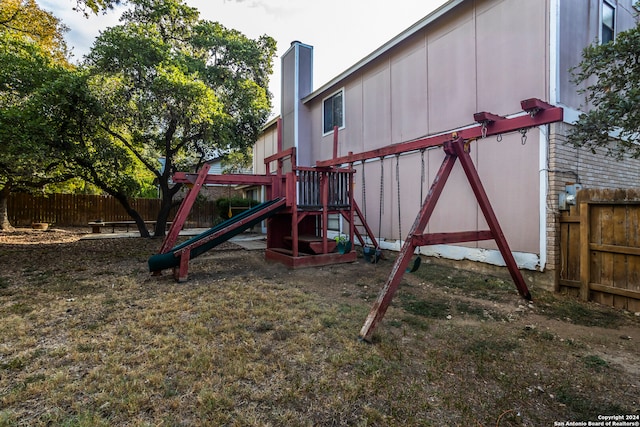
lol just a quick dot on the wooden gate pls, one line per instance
(600, 248)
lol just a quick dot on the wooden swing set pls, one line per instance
(302, 198)
(456, 146)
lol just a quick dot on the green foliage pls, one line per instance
(33, 55)
(173, 85)
(25, 20)
(610, 75)
(162, 84)
(237, 161)
(95, 6)
(72, 186)
(27, 69)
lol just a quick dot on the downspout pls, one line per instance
(543, 176)
(545, 132)
(296, 97)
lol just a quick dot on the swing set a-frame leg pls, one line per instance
(492, 220)
(402, 261)
(454, 150)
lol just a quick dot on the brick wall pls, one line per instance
(567, 164)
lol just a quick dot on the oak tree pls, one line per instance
(32, 53)
(176, 87)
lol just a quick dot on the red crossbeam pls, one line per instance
(230, 179)
(447, 238)
(541, 113)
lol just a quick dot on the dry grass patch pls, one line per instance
(90, 339)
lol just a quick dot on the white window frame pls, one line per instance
(601, 20)
(341, 90)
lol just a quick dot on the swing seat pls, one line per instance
(415, 266)
(371, 255)
(344, 247)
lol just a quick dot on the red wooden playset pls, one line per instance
(302, 198)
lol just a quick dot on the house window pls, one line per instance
(607, 31)
(333, 112)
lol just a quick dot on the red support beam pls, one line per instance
(230, 179)
(184, 209)
(324, 195)
(544, 114)
(490, 216)
(289, 152)
(402, 261)
(455, 237)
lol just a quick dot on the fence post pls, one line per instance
(585, 241)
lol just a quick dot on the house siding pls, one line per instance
(579, 26)
(481, 56)
(265, 146)
(474, 55)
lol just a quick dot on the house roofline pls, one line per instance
(272, 122)
(413, 29)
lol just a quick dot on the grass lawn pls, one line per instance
(89, 338)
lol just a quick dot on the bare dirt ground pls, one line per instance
(455, 348)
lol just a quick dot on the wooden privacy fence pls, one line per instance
(76, 210)
(600, 248)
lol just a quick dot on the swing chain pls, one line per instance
(381, 186)
(523, 136)
(381, 197)
(499, 137)
(484, 130)
(399, 210)
(364, 194)
(422, 174)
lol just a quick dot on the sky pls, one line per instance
(342, 32)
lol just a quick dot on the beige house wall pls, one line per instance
(477, 55)
(265, 146)
(481, 56)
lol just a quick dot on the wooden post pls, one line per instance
(324, 192)
(292, 198)
(184, 210)
(335, 142)
(402, 261)
(585, 241)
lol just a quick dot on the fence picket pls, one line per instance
(76, 210)
(608, 269)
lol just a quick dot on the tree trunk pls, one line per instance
(165, 206)
(124, 201)
(5, 225)
(163, 217)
